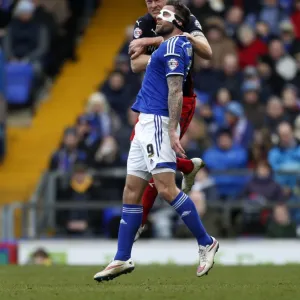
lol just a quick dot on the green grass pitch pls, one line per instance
(151, 283)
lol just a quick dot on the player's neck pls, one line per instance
(175, 32)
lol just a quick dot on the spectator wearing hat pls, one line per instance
(64, 158)
(291, 102)
(250, 47)
(26, 39)
(254, 110)
(226, 155)
(237, 123)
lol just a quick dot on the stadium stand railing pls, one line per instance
(38, 216)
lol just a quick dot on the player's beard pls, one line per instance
(165, 30)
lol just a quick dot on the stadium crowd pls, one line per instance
(246, 125)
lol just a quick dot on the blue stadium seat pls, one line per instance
(202, 97)
(18, 82)
(108, 214)
(1, 72)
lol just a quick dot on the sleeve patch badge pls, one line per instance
(197, 24)
(173, 64)
(137, 32)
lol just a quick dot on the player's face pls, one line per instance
(155, 6)
(164, 27)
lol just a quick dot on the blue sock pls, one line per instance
(185, 207)
(130, 223)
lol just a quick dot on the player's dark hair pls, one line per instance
(182, 11)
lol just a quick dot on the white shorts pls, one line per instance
(150, 151)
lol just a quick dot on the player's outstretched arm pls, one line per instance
(200, 44)
(139, 64)
(175, 99)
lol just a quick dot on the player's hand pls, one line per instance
(137, 47)
(175, 144)
(189, 36)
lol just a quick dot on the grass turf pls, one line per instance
(151, 283)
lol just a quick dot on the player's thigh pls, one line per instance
(166, 185)
(134, 189)
(136, 165)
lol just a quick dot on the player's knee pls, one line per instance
(168, 193)
(130, 194)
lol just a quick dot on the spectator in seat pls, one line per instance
(263, 32)
(295, 18)
(64, 158)
(281, 66)
(98, 113)
(260, 147)
(128, 39)
(260, 191)
(254, 110)
(274, 115)
(297, 129)
(239, 126)
(220, 44)
(5, 16)
(251, 47)
(285, 157)
(201, 9)
(26, 39)
(231, 77)
(262, 184)
(234, 19)
(81, 190)
(287, 35)
(223, 97)
(117, 94)
(281, 225)
(225, 155)
(291, 102)
(271, 13)
(206, 78)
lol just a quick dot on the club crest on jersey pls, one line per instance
(173, 64)
(137, 32)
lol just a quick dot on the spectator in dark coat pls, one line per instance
(291, 102)
(65, 157)
(26, 39)
(281, 225)
(274, 114)
(118, 94)
(236, 122)
(231, 78)
(225, 156)
(262, 184)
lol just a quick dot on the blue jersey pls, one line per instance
(173, 57)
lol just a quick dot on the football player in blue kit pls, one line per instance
(156, 142)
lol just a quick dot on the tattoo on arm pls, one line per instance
(175, 99)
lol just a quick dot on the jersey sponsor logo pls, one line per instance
(138, 22)
(197, 24)
(173, 64)
(137, 32)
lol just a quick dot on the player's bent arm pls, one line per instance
(175, 100)
(200, 45)
(139, 64)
